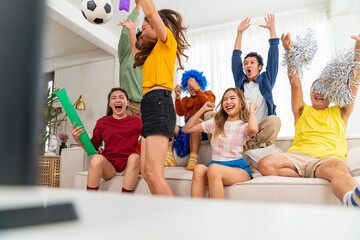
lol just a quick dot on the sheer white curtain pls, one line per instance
(211, 51)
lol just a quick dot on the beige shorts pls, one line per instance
(134, 108)
(306, 164)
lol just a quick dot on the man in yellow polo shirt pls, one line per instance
(319, 147)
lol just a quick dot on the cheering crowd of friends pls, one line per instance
(143, 108)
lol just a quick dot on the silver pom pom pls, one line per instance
(301, 53)
(336, 78)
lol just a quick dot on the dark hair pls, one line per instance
(173, 20)
(138, 34)
(258, 57)
(109, 110)
(145, 45)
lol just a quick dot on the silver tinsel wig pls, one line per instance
(302, 52)
(336, 78)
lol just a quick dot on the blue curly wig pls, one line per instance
(195, 74)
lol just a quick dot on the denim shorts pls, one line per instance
(239, 163)
(158, 113)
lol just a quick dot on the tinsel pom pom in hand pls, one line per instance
(336, 78)
(302, 52)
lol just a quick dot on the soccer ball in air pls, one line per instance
(97, 11)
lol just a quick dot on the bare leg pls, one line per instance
(277, 165)
(195, 141)
(143, 164)
(338, 174)
(176, 130)
(171, 143)
(156, 147)
(99, 168)
(131, 172)
(194, 144)
(220, 176)
(170, 159)
(199, 180)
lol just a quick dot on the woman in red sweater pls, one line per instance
(120, 133)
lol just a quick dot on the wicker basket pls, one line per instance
(49, 171)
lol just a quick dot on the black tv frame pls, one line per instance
(21, 41)
(21, 93)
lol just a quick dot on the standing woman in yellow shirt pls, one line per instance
(161, 42)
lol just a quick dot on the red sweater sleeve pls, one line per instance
(207, 96)
(96, 139)
(181, 106)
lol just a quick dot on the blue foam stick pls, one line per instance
(73, 116)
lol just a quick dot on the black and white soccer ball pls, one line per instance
(97, 11)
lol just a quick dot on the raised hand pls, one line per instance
(270, 21)
(178, 90)
(286, 41)
(244, 25)
(76, 132)
(357, 43)
(129, 24)
(208, 106)
(270, 24)
(253, 106)
(192, 84)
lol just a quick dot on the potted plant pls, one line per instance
(50, 119)
(63, 138)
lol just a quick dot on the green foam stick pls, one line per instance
(70, 110)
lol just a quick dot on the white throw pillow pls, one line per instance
(256, 155)
(353, 161)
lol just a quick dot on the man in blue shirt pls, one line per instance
(257, 86)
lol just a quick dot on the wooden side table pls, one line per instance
(49, 171)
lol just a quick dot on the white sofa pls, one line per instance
(74, 164)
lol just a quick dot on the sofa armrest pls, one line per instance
(72, 160)
(353, 161)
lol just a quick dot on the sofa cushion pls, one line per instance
(284, 189)
(268, 188)
(177, 173)
(178, 178)
(353, 161)
(255, 155)
(205, 155)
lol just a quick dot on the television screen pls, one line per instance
(21, 91)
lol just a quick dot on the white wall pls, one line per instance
(343, 27)
(92, 80)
